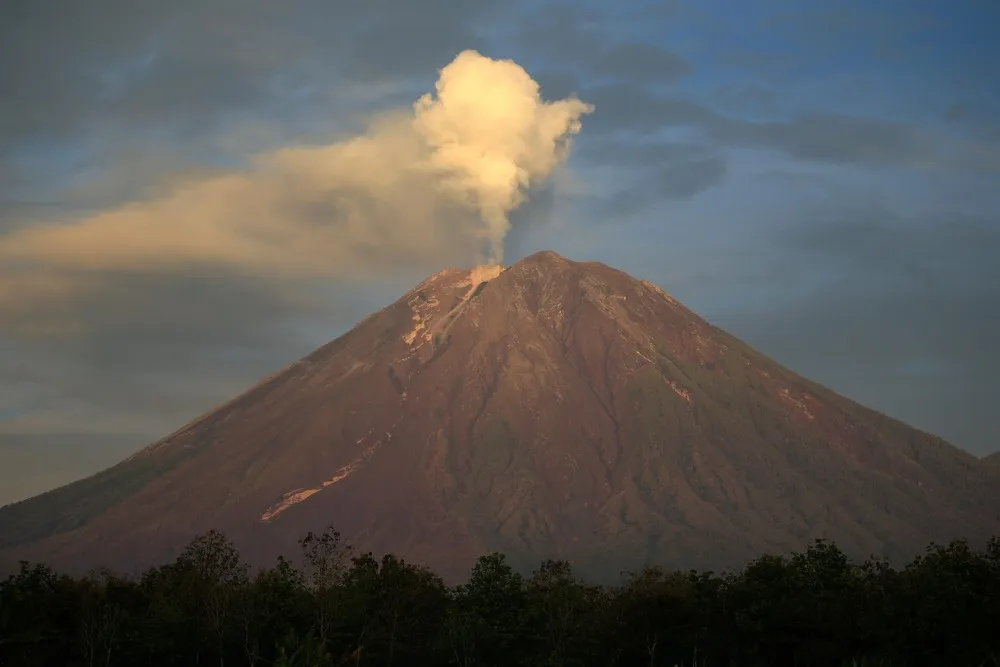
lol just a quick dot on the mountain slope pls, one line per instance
(554, 409)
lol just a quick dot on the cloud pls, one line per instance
(492, 136)
(915, 354)
(127, 322)
(80, 87)
(47, 461)
(830, 137)
(678, 179)
(189, 61)
(823, 137)
(421, 34)
(564, 33)
(116, 59)
(866, 29)
(901, 308)
(748, 97)
(557, 84)
(420, 187)
(615, 152)
(643, 63)
(869, 241)
(628, 107)
(143, 353)
(161, 252)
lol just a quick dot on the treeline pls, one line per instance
(816, 608)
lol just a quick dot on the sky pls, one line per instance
(194, 194)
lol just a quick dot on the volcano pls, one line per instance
(551, 409)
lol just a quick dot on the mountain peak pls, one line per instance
(544, 257)
(548, 409)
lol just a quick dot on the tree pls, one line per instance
(813, 609)
(37, 615)
(656, 611)
(562, 612)
(100, 619)
(216, 575)
(273, 604)
(327, 557)
(486, 615)
(947, 594)
(394, 611)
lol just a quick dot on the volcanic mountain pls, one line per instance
(550, 409)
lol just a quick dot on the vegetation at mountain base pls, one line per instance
(814, 608)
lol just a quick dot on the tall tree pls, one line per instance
(327, 558)
(216, 575)
(486, 617)
(563, 610)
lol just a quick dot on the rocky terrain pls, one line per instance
(550, 409)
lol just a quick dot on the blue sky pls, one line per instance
(821, 179)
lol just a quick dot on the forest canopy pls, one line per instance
(815, 608)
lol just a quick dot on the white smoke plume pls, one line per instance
(423, 186)
(493, 136)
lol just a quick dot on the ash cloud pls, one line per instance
(426, 185)
(491, 136)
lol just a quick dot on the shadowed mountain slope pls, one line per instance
(552, 409)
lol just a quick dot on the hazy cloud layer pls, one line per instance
(51, 460)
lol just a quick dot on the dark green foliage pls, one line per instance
(813, 609)
(487, 615)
